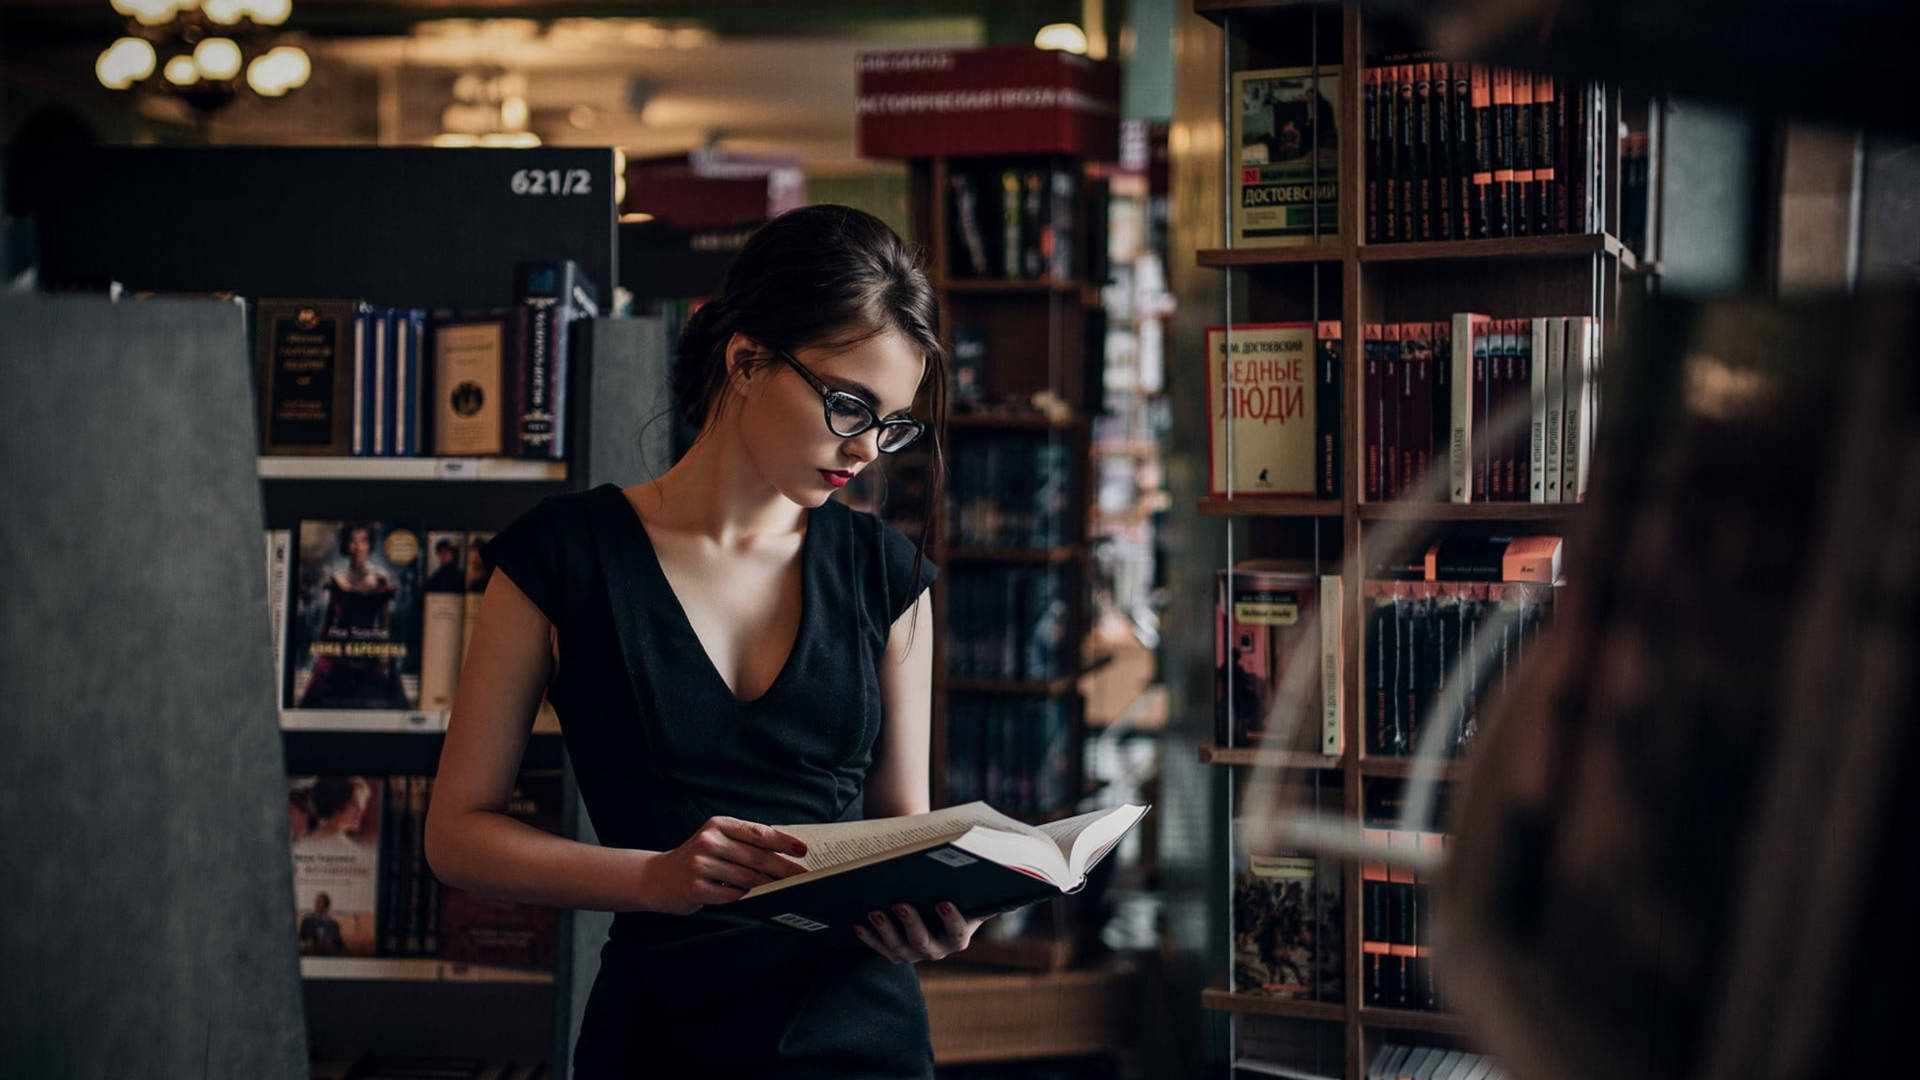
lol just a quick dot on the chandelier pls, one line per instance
(199, 48)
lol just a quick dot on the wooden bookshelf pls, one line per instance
(1357, 283)
(490, 469)
(1054, 556)
(1265, 507)
(1010, 421)
(414, 969)
(1268, 759)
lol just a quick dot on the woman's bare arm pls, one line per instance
(473, 844)
(897, 784)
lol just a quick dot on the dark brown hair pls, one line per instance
(822, 275)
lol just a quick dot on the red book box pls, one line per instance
(1013, 99)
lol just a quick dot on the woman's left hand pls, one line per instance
(905, 938)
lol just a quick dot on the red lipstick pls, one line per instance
(838, 478)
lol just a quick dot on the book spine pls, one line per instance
(1423, 151)
(1409, 154)
(534, 423)
(1580, 168)
(1374, 409)
(1520, 389)
(1417, 416)
(1440, 412)
(1460, 448)
(406, 383)
(1327, 411)
(1379, 641)
(1513, 408)
(1010, 223)
(1523, 144)
(279, 556)
(1371, 95)
(1555, 399)
(1482, 404)
(1545, 160)
(382, 385)
(1332, 668)
(1502, 151)
(1390, 394)
(1589, 405)
(1441, 160)
(1483, 151)
(1389, 96)
(415, 896)
(393, 869)
(431, 888)
(1461, 105)
(360, 444)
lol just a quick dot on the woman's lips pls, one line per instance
(836, 477)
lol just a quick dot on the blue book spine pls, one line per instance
(416, 326)
(383, 383)
(403, 403)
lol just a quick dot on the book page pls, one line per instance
(1084, 839)
(831, 845)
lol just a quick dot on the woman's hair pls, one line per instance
(823, 275)
(346, 537)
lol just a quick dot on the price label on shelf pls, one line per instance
(457, 468)
(422, 721)
(551, 182)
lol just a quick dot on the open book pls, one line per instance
(973, 856)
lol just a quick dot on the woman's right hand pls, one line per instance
(722, 859)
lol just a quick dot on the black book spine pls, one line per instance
(1545, 161)
(1502, 152)
(1482, 108)
(1442, 404)
(1423, 151)
(1372, 97)
(1523, 145)
(1460, 104)
(1441, 157)
(1326, 413)
(1389, 98)
(1409, 154)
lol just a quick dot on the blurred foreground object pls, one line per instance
(1683, 850)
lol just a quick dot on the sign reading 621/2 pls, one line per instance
(551, 182)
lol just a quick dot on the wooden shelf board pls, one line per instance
(1327, 252)
(1574, 246)
(987, 421)
(426, 468)
(1217, 999)
(1277, 759)
(1412, 1020)
(363, 720)
(1483, 511)
(1401, 768)
(1046, 556)
(1250, 506)
(413, 969)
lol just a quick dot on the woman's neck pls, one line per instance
(715, 490)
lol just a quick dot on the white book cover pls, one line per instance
(335, 822)
(1460, 443)
(1556, 402)
(1589, 404)
(279, 554)
(1332, 674)
(1261, 395)
(1537, 422)
(1573, 426)
(443, 619)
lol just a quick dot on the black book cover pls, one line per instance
(1441, 417)
(1327, 411)
(1483, 151)
(1502, 151)
(1409, 153)
(1441, 157)
(1460, 104)
(1389, 104)
(1423, 151)
(552, 294)
(1371, 94)
(1523, 144)
(1545, 161)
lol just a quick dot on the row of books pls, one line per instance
(362, 886)
(1277, 659)
(371, 615)
(1467, 151)
(1008, 623)
(343, 378)
(1398, 1061)
(1507, 406)
(1396, 959)
(1274, 410)
(1015, 753)
(1440, 652)
(1010, 490)
(1016, 220)
(1288, 924)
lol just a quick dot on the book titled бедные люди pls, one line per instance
(971, 856)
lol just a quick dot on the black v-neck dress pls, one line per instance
(659, 744)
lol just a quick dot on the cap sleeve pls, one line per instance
(530, 552)
(898, 556)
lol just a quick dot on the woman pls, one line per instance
(359, 608)
(727, 648)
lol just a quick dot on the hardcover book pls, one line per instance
(1270, 631)
(1287, 923)
(1286, 157)
(1261, 383)
(443, 617)
(356, 630)
(971, 856)
(469, 358)
(335, 827)
(305, 360)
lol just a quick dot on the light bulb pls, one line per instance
(513, 113)
(279, 70)
(182, 71)
(124, 63)
(217, 58)
(1062, 37)
(152, 12)
(269, 12)
(224, 12)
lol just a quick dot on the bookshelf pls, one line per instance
(1346, 279)
(412, 246)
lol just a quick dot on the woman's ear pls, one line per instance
(741, 351)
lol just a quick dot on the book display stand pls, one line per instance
(1313, 267)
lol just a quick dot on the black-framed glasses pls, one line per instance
(849, 415)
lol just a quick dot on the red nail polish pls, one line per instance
(900, 910)
(878, 919)
(946, 908)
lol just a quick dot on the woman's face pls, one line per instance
(784, 423)
(359, 545)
